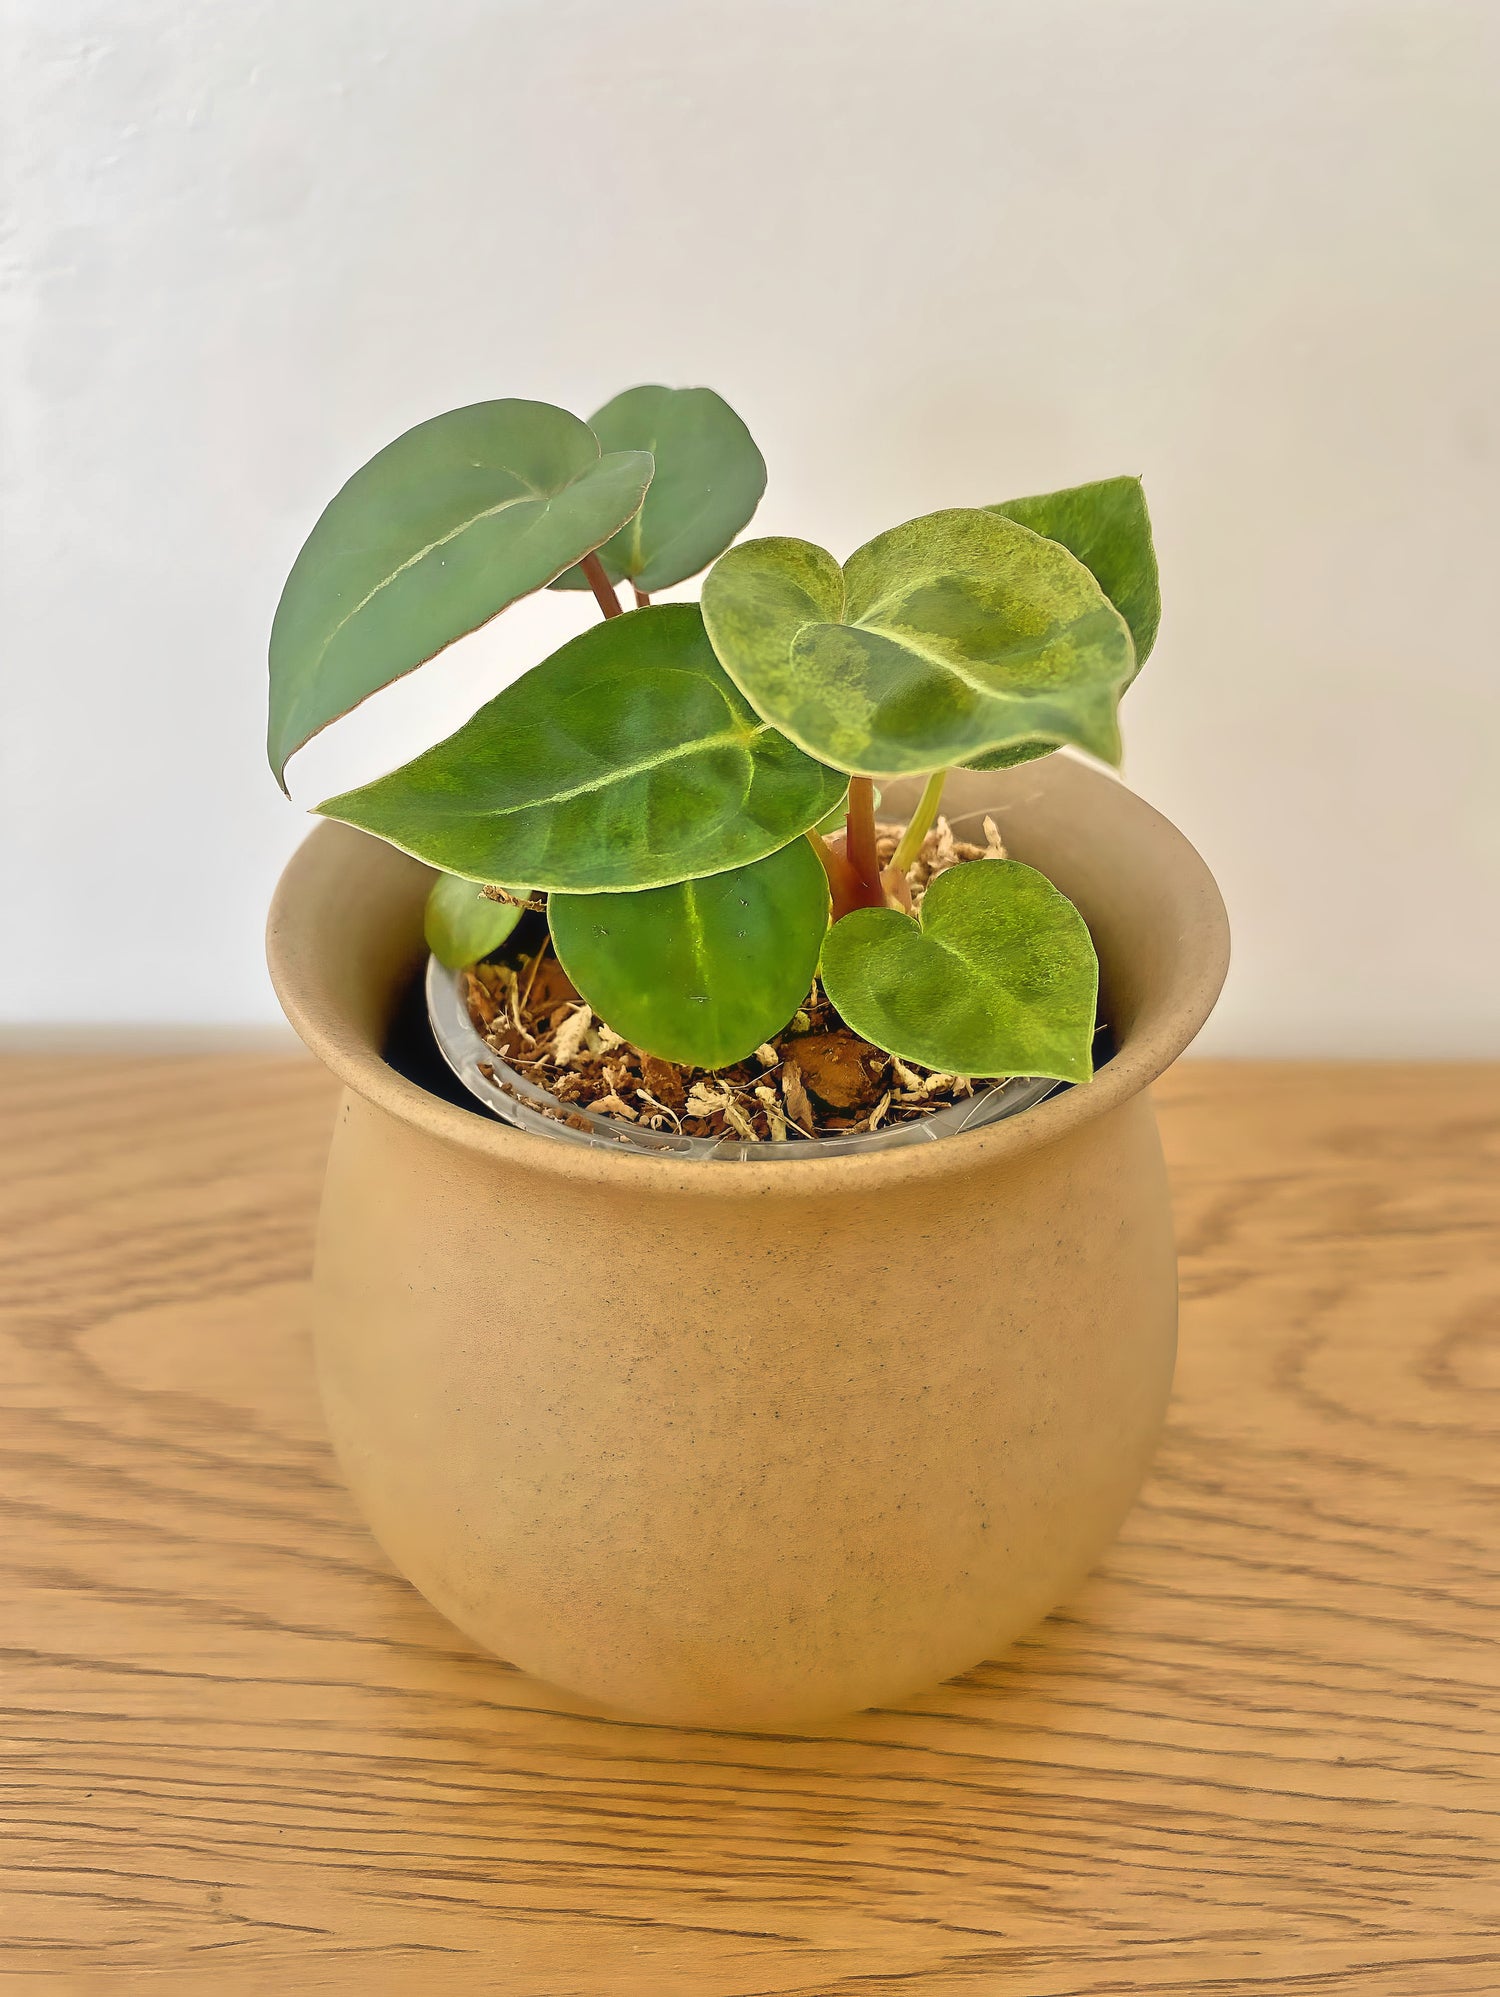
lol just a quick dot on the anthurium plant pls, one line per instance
(692, 787)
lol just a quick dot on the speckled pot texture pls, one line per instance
(753, 1444)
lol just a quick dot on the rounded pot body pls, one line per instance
(752, 1444)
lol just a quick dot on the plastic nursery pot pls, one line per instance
(756, 1445)
(518, 1100)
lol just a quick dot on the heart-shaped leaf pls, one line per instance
(461, 924)
(996, 977)
(628, 759)
(705, 971)
(1107, 527)
(948, 637)
(708, 481)
(435, 535)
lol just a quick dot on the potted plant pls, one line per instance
(696, 1379)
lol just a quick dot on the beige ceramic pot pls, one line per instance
(752, 1444)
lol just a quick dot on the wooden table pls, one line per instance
(1256, 1754)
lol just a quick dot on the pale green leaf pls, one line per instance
(708, 481)
(628, 759)
(705, 971)
(461, 923)
(436, 534)
(947, 638)
(1106, 525)
(996, 977)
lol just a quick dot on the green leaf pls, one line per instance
(1107, 527)
(626, 760)
(705, 971)
(435, 535)
(708, 481)
(1012, 758)
(997, 977)
(951, 636)
(461, 923)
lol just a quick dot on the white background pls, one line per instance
(935, 253)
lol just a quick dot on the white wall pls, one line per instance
(935, 253)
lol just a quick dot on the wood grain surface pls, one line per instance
(1256, 1754)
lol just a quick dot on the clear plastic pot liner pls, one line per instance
(516, 1100)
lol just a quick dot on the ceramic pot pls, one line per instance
(752, 1444)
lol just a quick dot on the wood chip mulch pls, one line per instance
(814, 1079)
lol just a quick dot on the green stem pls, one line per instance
(921, 821)
(600, 584)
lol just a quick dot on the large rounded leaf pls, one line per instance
(1107, 527)
(626, 760)
(705, 971)
(708, 481)
(997, 977)
(435, 535)
(461, 923)
(951, 636)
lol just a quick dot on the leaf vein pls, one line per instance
(489, 513)
(620, 773)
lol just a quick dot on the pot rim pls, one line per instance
(295, 946)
